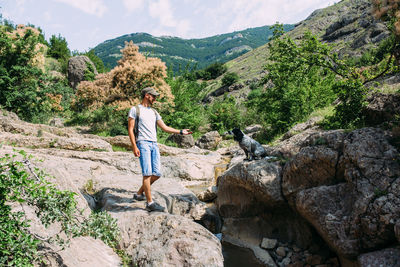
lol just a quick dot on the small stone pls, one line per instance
(268, 243)
(281, 251)
(286, 261)
(296, 249)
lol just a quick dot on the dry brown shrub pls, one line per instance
(55, 101)
(122, 85)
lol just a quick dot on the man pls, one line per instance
(144, 145)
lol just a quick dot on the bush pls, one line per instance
(348, 113)
(187, 112)
(213, 71)
(229, 79)
(24, 88)
(301, 83)
(21, 184)
(225, 115)
(108, 121)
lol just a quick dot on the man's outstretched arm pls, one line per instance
(168, 129)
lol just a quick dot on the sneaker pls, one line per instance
(139, 197)
(154, 207)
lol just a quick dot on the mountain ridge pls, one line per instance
(179, 52)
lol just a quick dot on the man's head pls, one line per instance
(150, 91)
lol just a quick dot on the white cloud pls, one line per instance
(133, 5)
(230, 15)
(162, 11)
(93, 7)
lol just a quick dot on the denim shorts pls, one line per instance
(149, 158)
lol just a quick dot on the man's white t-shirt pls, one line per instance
(147, 123)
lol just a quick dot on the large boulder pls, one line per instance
(168, 238)
(209, 140)
(247, 184)
(250, 200)
(183, 141)
(381, 108)
(160, 239)
(77, 66)
(356, 209)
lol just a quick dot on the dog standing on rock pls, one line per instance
(252, 148)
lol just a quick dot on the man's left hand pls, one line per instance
(186, 131)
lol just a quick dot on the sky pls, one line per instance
(87, 23)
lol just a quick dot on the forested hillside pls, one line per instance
(178, 53)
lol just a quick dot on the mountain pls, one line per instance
(348, 24)
(178, 52)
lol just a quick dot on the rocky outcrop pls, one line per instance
(346, 185)
(381, 108)
(221, 91)
(168, 239)
(183, 141)
(251, 202)
(171, 238)
(209, 140)
(355, 209)
(77, 66)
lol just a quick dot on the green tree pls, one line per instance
(301, 81)
(225, 114)
(24, 89)
(186, 112)
(58, 48)
(98, 63)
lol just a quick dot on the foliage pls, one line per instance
(225, 114)
(187, 113)
(229, 79)
(177, 52)
(98, 63)
(23, 185)
(122, 86)
(24, 89)
(389, 11)
(211, 72)
(89, 72)
(352, 94)
(107, 121)
(301, 82)
(58, 49)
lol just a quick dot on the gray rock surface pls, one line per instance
(183, 141)
(247, 183)
(385, 257)
(381, 108)
(116, 175)
(359, 214)
(268, 243)
(209, 140)
(76, 69)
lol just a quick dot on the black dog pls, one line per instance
(252, 148)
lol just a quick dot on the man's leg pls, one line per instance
(146, 188)
(152, 180)
(145, 164)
